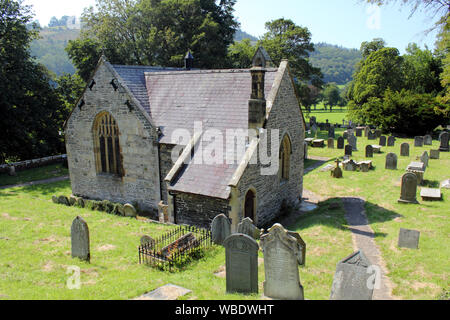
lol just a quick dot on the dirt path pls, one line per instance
(363, 239)
(32, 183)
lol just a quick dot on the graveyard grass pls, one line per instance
(321, 115)
(47, 172)
(36, 252)
(415, 274)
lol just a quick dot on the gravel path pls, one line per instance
(51, 180)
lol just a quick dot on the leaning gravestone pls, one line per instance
(147, 241)
(444, 142)
(80, 239)
(424, 159)
(331, 143)
(352, 278)
(408, 239)
(409, 188)
(241, 253)
(353, 141)
(129, 210)
(391, 161)
(247, 227)
(418, 142)
(220, 229)
(63, 200)
(391, 141)
(348, 150)
(301, 257)
(428, 140)
(369, 151)
(340, 143)
(281, 265)
(382, 141)
(404, 150)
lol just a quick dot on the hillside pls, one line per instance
(337, 63)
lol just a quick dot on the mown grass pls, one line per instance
(336, 116)
(47, 172)
(416, 274)
(35, 252)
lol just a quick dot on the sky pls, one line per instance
(341, 22)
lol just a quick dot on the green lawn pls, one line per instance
(321, 115)
(416, 274)
(35, 252)
(51, 171)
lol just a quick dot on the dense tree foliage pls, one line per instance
(31, 114)
(331, 95)
(155, 32)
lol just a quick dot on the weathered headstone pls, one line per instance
(241, 253)
(364, 167)
(366, 131)
(147, 241)
(424, 158)
(409, 188)
(281, 265)
(418, 142)
(435, 154)
(350, 165)
(371, 135)
(359, 131)
(404, 150)
(382, 141)
(428, 140)
(12, 171)
(80, 239)
(331, 132)
(129, 210)
(352, 278)
(391, 141)
(376, 148)
(331, 143)
(378, 133)
(337, 172)
(444, 142)
(247, 227)
(391, 161)
(220, 229)
(63, 200)
(318, 143)
(408, 239)
(348, 150)
(301, 256)
(340, 143)
(369, 151)
(345, 135)
(305, 151)
(353, 141)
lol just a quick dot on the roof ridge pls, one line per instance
(206, 71)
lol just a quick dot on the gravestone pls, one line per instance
(348, 150)
(369, 151)
(281, 265)
(337, 172)
(378, 133)
(241, 252)
(247, 227)
(331, 143)
(391, 141)
(424, 158)
(371, 135)
(129, 210)
(359, 131)
(382, 141)
(428, 140)
(12, 171)
(367, 131)
(351, 279)
(353, 141)
(418, 142)
(428, 194)
(444, 142)
(318, 143)
(364, 167)
(309, 141)
(301, 256)
(63, 200)
(391, 161)
(408, 239)
(331, 132)
(404, 150)
(305, 151)
(376, 148)
(147, 241)
(350, 165)
(340, 143)
(435, 154)
(345, 135)
(220, 229)
(409, 188)
(55, 199)
(79, 234)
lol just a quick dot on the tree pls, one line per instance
(331, 95)
(367, 47)
(30, 109)
(241, 54)
(153, 32)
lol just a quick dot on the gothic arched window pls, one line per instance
(106, 145)
(285, 158)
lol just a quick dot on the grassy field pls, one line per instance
(416, 274)
(322, 115)
(35, 252)
(51, 171)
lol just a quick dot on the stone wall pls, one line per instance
(35, 163)
(198, 210)
(138, 144)
(271, 191)
(165, 165)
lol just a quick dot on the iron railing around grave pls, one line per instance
(176, 248)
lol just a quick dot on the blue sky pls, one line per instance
(346, 22)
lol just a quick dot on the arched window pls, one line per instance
(106, 145)
(285, 158)
(250, 205)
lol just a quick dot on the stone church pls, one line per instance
(122, 143)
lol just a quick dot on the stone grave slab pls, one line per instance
(309, 141)
(376, 148)
(416, 166)
(428, 194)
(318, 143)
(167, 292)
(408, 239)
(435, 154)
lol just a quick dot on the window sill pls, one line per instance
(283, 182)
(109, 176)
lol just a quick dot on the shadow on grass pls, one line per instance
(47, 189)
(331, 213)
(431, 184)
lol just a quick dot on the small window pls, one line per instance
(285, 158)
(107, 146)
